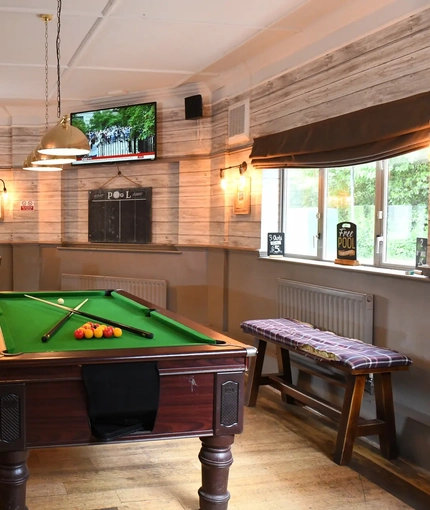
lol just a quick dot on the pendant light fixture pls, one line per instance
(36, 161)
(63, 139)
(30, 160)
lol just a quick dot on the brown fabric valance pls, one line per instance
(371, 134)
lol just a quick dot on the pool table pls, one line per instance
(185, 381)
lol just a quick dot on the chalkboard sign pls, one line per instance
(421, 252)
(275, 244)
(120, 215)
(346, 241)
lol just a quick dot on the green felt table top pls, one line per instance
(23, 322)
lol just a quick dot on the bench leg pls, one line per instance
(349, 418)
(254, 374)
(385, 413)
(284, 367)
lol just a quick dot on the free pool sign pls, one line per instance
(27, 205)
(346, 241)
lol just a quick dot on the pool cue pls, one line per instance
(47, 336)
(141, 332)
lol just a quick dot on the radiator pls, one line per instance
(154, 291)
(345, 313)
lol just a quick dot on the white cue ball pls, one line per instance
(60, 301)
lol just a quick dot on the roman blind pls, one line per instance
(378, 132)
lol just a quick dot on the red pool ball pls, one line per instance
(108, 332)
(79, 333)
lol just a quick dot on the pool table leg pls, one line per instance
(13, 478)
(216, 458)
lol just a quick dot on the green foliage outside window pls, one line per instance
(408, 190)
(351, 197)
(351, 192)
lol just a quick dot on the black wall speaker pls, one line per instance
(193, 107)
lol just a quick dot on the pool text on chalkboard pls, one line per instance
(275, 244)
(120, 194)
(347, 241)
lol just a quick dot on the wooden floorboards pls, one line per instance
(281, 461)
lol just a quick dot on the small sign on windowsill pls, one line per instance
(347, 244)
(275, 244)
(421, 252)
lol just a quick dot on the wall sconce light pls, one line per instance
(4, 190)
(223, 179)
(242, 169)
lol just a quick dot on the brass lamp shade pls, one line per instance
(64, 140)
(45, 160)
(29, 164)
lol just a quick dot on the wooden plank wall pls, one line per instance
(385, 66)
(5, 147)
(189, 206)
(388, 65)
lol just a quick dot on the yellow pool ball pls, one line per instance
(98, 332)
(117, 332)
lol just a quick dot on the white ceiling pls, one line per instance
(121, 49)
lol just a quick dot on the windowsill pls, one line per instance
(394, 273)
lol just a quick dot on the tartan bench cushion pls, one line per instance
(303, 337)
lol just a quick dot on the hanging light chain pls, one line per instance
(46, 19)
(58, 41)
(63, 139)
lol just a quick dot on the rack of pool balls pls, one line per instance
(93, 330)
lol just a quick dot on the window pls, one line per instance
(387, 200)
(350, 196)
(406, 206)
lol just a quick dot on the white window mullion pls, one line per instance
(281, 198)
(322, 193)
(380, 212)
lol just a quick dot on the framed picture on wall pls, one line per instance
(242, 198)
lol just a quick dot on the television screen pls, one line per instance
(123, 133)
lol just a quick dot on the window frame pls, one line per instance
(380, 217)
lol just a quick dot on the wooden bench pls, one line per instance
(350, 363)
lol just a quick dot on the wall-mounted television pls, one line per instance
(119, 134)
